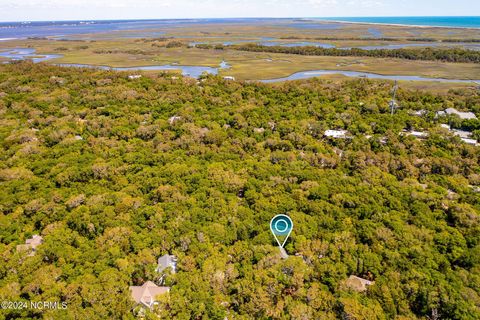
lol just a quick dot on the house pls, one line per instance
(134, 76)
(473, 142)
(57, 80)
(146, 295)
(336, 134)
(461, 133)
(418, 134)
(174, 119)
(358, 284)
(283, 253)
(440, 114)
(229, 78)
(465, 136)
(31, 245)
(460, 114)
(419, 113)
(167, 261)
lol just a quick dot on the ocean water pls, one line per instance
(155, 28)
(67, 29)
(457, 22)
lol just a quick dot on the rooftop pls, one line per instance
(418, 134)
(473, 142)
(35, 240)
(167, 261)
(174, 119)
(461, 133)
(31, 244)
(147, 293)
(358, 284)
(341, 134)
(462, 115)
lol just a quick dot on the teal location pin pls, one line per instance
(281, 226)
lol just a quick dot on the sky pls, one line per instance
(30, 10)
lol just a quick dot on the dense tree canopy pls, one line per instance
(116, 172)
(433, 54)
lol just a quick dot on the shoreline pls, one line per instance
(398, 24)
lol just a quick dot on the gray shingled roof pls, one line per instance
(166, 261)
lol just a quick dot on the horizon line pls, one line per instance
(259, 17)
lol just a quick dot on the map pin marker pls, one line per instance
(281, 226)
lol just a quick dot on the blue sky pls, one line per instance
(20, 10)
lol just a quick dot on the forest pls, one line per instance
(429, 54)
(114, 172)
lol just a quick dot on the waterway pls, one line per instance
(191, 71)
(197, 71)
(355, 74)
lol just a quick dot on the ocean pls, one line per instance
(457, 22)
(156, 28)
(124, 28)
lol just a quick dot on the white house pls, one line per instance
(473, 142)
(441, 114)
(167, 261)
(460, 114)
(336, 134)
(419, 113)
(418, 134)
(174, 119)
(461, 133)
(465, 136)
(134, 76)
